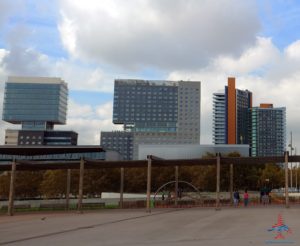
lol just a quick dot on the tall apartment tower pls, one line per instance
(153, 112)
(37, 104)
(267, 130)
(230, 115)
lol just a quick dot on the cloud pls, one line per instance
(82, 77)
(255, 59)
(175, 34)
(6, 9)
(88, 121)
(293, 51)
(105, 111)
(22, 60)
(273, 77)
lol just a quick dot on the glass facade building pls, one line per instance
(267, 131)
(230, 115)
(219, 118)
(35, 102)
(146, 106)
(153, 112)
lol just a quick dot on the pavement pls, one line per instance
(193, 226)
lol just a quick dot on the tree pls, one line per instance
(4, 185)
(54, 183)
(273, 176)
(28, 183)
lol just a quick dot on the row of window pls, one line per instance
(30, 143)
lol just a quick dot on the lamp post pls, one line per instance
(292, 148)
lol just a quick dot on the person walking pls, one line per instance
(236, 198)
(246, 198)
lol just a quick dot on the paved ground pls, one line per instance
(197, 226)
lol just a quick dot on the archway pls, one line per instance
(186, 196)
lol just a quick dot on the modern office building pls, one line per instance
(153, 112)
(37, 104)
(267, 130)
(230, 115)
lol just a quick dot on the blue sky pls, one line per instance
(90, 43)
(280, 20)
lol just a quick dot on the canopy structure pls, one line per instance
(47, 150)
(156, 162)
(152, 161)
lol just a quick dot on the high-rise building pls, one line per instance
(37, 104)
(153, 112)
(230, 115)
(267, 130)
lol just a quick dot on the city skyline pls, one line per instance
(54, 38)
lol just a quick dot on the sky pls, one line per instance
(90, 43)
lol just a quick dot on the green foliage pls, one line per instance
(273, 176)
(28, 183)
(52, 183)
(4, 184)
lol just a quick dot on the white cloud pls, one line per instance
(293, 50)
(79, 110)
(273, 78)
(163, 34)
(82, 77)
(256, 58)
(105, 111)
(88, 121)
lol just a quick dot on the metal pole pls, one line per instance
(149, 184)
(80, 195)
(231, 184)
(218, 183)
(10, 211)
(286, 180)
(121, 187)
(68, 189)
(176, 185)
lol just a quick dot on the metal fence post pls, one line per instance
(231, 183)
(176, 185)
(286, 159)
(12, 189)
(121, 187)
(81, 175)
(149, 183)
(218, 183)
(68, 189)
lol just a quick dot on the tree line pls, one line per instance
(52, 183)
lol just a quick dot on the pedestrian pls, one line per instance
(265, 196)
(246, 198)
(163, 196)
(236, 198)
(261, 193)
